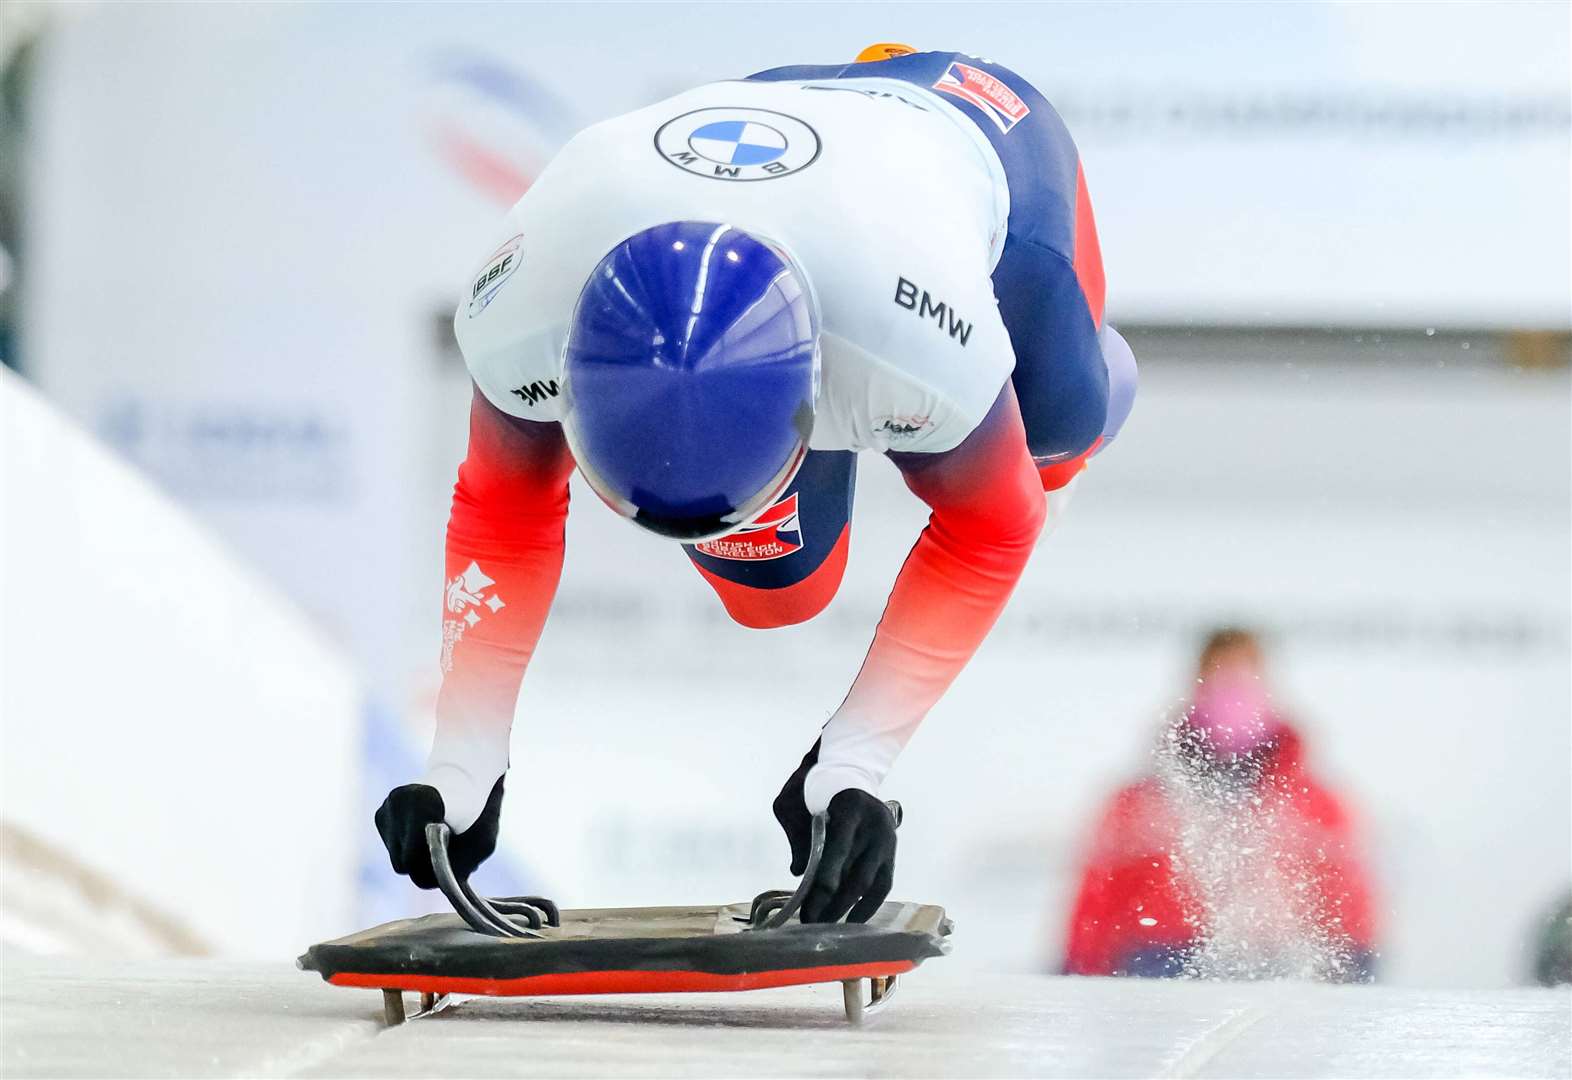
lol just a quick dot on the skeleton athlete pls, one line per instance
(710, 306)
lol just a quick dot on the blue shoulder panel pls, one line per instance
(1038, 155)
(1060, 375)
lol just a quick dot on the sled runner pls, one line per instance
(525, 947)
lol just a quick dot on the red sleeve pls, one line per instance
(1128, 900)
(1091, 948)
(1345, 893)
(988, 511)
(504, 559)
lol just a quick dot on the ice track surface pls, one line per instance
(74, 1018)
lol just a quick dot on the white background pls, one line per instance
(244, 221)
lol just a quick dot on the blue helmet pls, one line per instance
(690, 374)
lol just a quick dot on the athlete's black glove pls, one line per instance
(791, 810)
(857, 869)
(402, 819)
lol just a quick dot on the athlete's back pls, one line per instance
(893, 205)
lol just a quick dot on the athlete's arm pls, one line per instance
(504, 559)
(988, 511)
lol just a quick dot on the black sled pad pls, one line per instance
(523, 946)
(631, 950)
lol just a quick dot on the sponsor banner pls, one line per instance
(230, 450)
(1001, 104)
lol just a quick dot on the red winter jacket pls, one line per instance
(1142, 910)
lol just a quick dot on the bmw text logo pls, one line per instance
(737, 144)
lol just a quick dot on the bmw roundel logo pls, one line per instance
(737, 144)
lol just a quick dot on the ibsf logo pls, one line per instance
(737, 144)
(499, 267)
(774, 534)
(997, 101)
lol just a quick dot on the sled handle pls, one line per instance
(473, 908)
(532, 908)
(789, 907)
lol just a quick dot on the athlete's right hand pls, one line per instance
(402, 819)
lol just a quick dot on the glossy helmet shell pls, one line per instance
(691, 369)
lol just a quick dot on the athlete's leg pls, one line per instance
(1050, 288)
(1122, 378)
(786, 567)
(1060, 377)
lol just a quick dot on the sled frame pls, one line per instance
(525, 916)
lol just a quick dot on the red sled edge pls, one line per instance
(620, 982)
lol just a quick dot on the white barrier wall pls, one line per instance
(167, 720)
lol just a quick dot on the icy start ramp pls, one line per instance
(203, 1018)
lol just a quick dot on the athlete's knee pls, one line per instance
(1058, 474)
(785, 605)
(1065, 439)
(1068, 431)
(1064, 403)
(770, 609)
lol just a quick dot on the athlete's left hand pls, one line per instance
(858, 865)
(857, 868)
(791, 810)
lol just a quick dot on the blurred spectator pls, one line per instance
(1229, 860)
(1553, 946)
